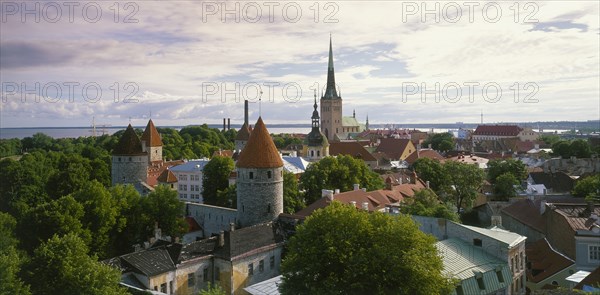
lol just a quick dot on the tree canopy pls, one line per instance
(577, 148)
(464, 182)
(426, 203)
(501, 166)
(442, 142)
(340, 172)
(431, 170)
(342, 250)
(292, 199)
(215, 178)
(588, 187)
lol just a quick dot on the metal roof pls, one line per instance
(467, 262)
(268, 287)
(509, 238)
(190, 166)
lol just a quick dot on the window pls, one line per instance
(512, 265)
(318, 153)
(251, 175)
(272, 262)
(191, 280)
(163, 287)
(521, 255)
(269, 174)
(205, 274)
(119, 159)
(500, 277)
(170, 287)
(594, 252)
(477, 242)
(251, 269)
(269, 208)
(261, 265)
(217, 274)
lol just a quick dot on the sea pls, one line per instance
(74, 132)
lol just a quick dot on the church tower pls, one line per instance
(151, 143)
(315, 144)
(129, 160)
(259, 179)
(331, 103)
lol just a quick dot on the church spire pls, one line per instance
(330, 91)
(315, 115)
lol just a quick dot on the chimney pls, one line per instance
(327, 193)
(228, 123)
(356, 186)
(231, 226)
(536, 146)
(542, 207)
(221, 238)
(427, 183)
(137, 248)
(365, 206)
(157, 231)
(400, 179)
(337, 191)
(246, 112)
(429, 146)
(364, 189)
(224, 124)
(353, 203)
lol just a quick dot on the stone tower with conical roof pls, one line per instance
(316, 145)
(129, 160)
(259, 179)
(151, 143)
(331, 103)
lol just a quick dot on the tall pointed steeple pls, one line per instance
(330, 91)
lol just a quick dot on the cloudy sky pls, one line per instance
(193, 62)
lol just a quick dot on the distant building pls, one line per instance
(396, 149)
(355, 150)
(189, 180)
(333, 125)
(316, 145)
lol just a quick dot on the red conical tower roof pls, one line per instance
(129, 144)
(260, 151)
(151, 136)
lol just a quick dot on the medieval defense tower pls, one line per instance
(151, 143)
(129, 160)
(259, 179)
(331, 103)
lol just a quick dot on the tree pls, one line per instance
(212, 290)
(215, 177)
(426, 203)
(440, 142)
(10, 260)
(588, 186)
(504, 187)
(501, 166)
(562, 149)
(431, 170)
(580, 148)
(340, 172)
(228, 196)
(341, 250)
(463, 184)
(100, 215)
(72, 175)
(163, 206)
(62, 216)
(292, 199)
(133, 224)
(62, 266)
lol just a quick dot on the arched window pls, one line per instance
(269, 174)
(269, 208)
(312, 153)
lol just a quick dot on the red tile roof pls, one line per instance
(376, 200)
(129, 144)
(423, 153)
(393, 147)
(167, 177)
(260, 151)
(577, 215)
(244, 133)
(545, 261)
(151, 136)
(350, 148)
(223, 153)
(497, 130)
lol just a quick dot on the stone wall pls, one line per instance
(572, 166)
(212, 219)
(129, 169)
(259, 195)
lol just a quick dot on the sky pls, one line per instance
(193, 62)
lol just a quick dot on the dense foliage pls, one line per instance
(442, 142)
(342, 250)
(341, 173)
(577, 148)
(59, 215)
(292, 198)
(215, 178)
(426, 203)
(588, 187)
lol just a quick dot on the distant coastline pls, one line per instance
(73, 132)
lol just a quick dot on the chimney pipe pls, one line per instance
(231, 226)
(221, 239)
(356, 186)
(427, 183)
(353, 203)
(228, 123)
(337, 191)
(246, 112)
(365, 206)
(224, 124)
